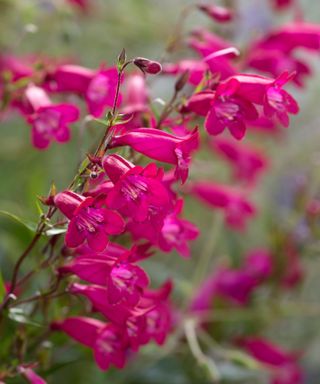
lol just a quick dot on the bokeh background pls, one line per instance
(143, 28)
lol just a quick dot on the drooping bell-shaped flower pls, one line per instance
(88, 222)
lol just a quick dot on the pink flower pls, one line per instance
(101, 91)
(236, 285)
(87, 221)
(280, 4)
(223, 109)
(155, 324)
(266, 352)
(291, 36)
(138, 192)
(162, 146)
(229, 111)
(206, 43)
(70, 78)
(98, 296)
(236, 207)
(275, 52)
(175, 232)
(28, 373)
(196, 69)
(126, 283)
(259, 264)
(283, 366)
(292, 271)
(278, 102)
(18, 67)
(117, 313)
(216, 12)
(136, 94)
(246, 161)
(49, 121)
(106, 340)
(110, 347)
(266, 92)
(275, 62)
(98, 88)
(81, 4)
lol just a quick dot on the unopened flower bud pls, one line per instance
(147, 66)
(182, 81)
(216, 12)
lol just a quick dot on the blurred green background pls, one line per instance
(143, 28)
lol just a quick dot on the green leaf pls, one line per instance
(101, 121)
(30, 225)
(2, 288)
(39, 208)
(122, 119)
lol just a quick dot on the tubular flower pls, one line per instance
(120, 312)
(230, 112)
(106, 340)
(97, 87)
(275, 52)
(283, 366)
(196, 69)
(138, 192)
(266, 92)
(223, 109)
(206, 43)
(87, 221)
(236, 207)
(175, 232)
(162, 146)
(246, 161)
(49, 121)
(235, 285)
(136, 94)
(101, 91)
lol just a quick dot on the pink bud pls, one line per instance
(147, 66)
(217, 13)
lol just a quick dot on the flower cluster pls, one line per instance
(126, 201)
